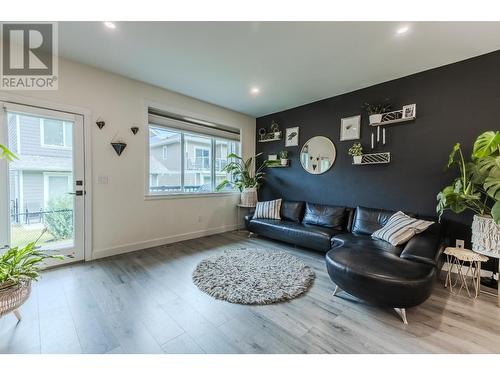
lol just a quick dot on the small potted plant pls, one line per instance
(375, 111)
(283, 155)
(356, 151)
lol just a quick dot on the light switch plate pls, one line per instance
(459, 244)
(102, 180)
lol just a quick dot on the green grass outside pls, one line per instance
(21, 236)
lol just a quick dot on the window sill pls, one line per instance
(149, 197)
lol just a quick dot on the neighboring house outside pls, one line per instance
(44, 168)
(165, 161)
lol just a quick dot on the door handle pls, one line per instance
(78, 192)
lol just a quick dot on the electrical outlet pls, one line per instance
(460, 244)
(200, 219)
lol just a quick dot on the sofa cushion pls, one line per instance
(310, 236)
(268, 210)
(325, 216)
(292, 211)
(400, 228)
(380, 278)
(356, 241)
(368, 220)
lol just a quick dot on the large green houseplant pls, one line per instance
(246, 177)
(477, 188)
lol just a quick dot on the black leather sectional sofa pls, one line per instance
(368, 268)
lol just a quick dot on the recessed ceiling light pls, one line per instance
(254, 91)
(110, 25)
(402, 30)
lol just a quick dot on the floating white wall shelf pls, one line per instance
(271, 137)
(377, 158)
(394, 117)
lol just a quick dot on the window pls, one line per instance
(223, 148)
(186, 162)
(56, 185)
(56, 133)
(167, 171)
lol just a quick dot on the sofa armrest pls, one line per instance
(424, 247)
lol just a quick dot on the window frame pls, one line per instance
(150, 195)
(65, 146)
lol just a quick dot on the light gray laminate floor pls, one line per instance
(145, 302)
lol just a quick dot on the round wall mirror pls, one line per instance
(318, 155)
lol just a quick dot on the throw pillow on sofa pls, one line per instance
(324, 216)
(268, 210)
(400, 228)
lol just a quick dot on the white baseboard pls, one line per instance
(122, 249)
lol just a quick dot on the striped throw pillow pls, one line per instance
(400, 228)
(268, 210)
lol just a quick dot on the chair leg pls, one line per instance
(337, 290)
(402, 314)
(17, 314)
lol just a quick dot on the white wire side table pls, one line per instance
(457, 259)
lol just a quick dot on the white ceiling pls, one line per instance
(293, 63)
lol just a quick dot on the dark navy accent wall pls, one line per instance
(455, 103)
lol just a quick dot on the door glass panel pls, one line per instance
(40, 181)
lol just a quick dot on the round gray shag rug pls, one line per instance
(253, 276)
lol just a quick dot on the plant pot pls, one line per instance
(249, 197)
(485, 235)
(284, 162)
(13, 296)
(375, 118)
(357, 159)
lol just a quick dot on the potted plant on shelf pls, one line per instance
(477, 189)
(244, 178)
(375, 111)
(283, 155)
(275, 130)
(356, 151)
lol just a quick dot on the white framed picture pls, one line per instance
(350, 128)
(410, 111)
(292, 136)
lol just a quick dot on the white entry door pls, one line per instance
(42, 193)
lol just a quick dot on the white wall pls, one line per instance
(122, 219)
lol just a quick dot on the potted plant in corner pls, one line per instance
(283, 155)
(477, 189)
(356, 151)
(375, 111)
(18, 266)
(244, 178)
